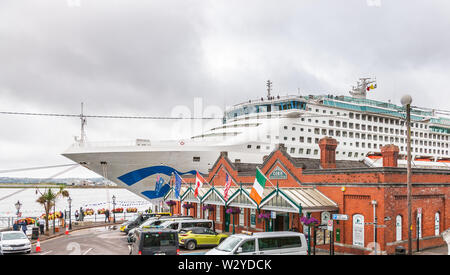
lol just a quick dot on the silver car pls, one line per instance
(14, 242)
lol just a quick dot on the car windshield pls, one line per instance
(229, 244)
(13, 236)
(165, 224)
(148, 222)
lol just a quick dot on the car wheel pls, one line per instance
(191, 245)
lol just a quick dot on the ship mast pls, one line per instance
(360, 91)
(83, 124)
(269, 88)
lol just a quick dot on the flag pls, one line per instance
(159, 183)
(177, 185)
(198, 183)
(227, 187)
(258, 187)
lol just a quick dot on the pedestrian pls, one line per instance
(24, 227)
(61, 219)
(41, 225)
(81, 214)
(107, 215)
(76, 215)
(16, 226)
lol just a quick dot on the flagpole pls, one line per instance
(203, 178)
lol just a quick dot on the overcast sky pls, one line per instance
(135, 57)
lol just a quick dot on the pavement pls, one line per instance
(106, 239)
(95, 240)
(75, 227)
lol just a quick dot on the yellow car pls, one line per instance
(191, 238)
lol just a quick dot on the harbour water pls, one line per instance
(94, 198)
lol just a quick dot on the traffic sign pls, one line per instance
(330, 225)
(340, 217)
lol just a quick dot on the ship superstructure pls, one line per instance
(250, 131)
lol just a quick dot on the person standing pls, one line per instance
(16, 226)
(76, 215)
(61, 219)
(107, 215)
(41, 225)
(24, 227)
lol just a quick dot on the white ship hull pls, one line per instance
(137, 167)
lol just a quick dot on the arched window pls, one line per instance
(398, 228)
(437, 228)
(358, 230)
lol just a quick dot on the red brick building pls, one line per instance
(320, 188)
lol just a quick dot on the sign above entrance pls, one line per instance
(340, 217)
(277, 174)
(273, 215)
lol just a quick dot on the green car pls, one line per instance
(191, 238)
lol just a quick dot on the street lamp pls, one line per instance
(114, 207)
(70, 212)
(18, 206)
(406, 101)
(375, 225)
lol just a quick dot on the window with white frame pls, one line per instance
(241, 217)
(218, 213)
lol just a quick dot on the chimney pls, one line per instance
(224, 154)
(390, 155)
(328, 152)
(281, 147)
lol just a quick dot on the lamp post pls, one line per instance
(18, 205)
(375, 225)
(70, 212)
(406, 101)
(114, 207)
(54, 216)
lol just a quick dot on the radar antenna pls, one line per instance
(362, 86)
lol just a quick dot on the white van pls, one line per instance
(262, 243)
(178, 224)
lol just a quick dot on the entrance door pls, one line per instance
(279, 223)
(227, 222)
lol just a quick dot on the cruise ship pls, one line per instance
(251, 130)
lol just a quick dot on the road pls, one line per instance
(106, 240)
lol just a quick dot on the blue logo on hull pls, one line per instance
(140, 174)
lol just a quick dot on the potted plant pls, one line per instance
(309, 221)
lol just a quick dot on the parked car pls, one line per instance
(14, 242)
(179, 224)
(262, 243)
(191, 238)
(155, 242)
(154, 221)
(140, 219)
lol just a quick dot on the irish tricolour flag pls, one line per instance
(258, 187)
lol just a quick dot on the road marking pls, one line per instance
(87, 251)
(45, 253)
